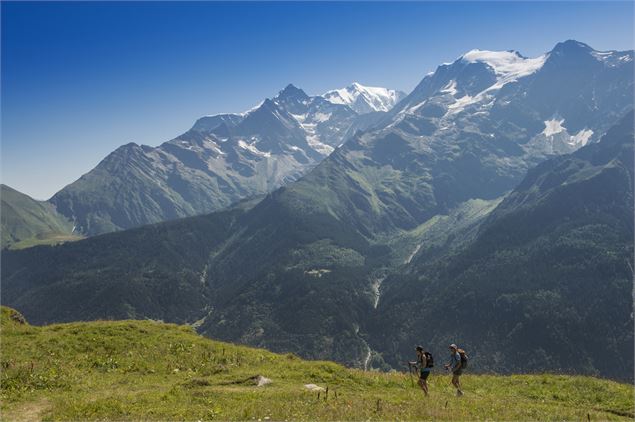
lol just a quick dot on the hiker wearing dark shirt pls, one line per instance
(424, 365)
(456, 367)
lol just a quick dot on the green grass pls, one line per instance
(45, 239)
(145, 370)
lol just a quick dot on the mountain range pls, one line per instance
(222, 159)
(500, 187)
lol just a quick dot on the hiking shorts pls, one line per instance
(423, 375)
(458, 372)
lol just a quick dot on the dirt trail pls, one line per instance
(27, 412)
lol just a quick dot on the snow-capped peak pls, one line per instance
(364, 99)
(508, 65)
(292, 91)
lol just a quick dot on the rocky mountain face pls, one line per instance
(531, 107)
(219, 161)
(436, 150)
(407, 212)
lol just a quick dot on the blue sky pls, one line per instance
(80, 79)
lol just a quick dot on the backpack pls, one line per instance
(429, 359)
(464, 358)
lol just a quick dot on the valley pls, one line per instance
(317, 211)
(492, 189)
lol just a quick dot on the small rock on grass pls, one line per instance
(262, 381)
(313, 387)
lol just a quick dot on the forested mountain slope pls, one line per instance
(546, 285)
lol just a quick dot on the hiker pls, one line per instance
(424, 364)
(456, 365)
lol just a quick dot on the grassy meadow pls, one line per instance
(145, 370)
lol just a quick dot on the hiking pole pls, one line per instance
(412, 381)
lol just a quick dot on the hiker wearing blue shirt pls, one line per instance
(456, 366)
(424, 364)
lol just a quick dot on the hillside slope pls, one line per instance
(152, 272)
(546, 283)
(145, 370)
(26, 222)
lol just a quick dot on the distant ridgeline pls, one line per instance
(491, 207)
(221, 160)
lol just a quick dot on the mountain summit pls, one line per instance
(365, 99)
(292, 91)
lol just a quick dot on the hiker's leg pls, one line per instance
(423, 385)
(455, 381)
(423, 381)
(457, 384)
